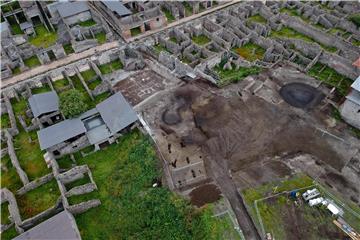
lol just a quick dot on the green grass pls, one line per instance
(130, 207)
(5, 121)
(38, 199)
(9, 178)
(15, 29)
(5, 213)
(100, 37)
(88, 74)
(258, 18)
(78, 85)
(16, 71)
(170, 18)
(250, 52)
(230, 76)
(9, 234)
(201, 39)
(43, 38)
(65, 162)
(356, 42)
(291, 12)
(101, 97)
(29, 155)
(43, 89)
(135, 31)
(61, 83)
(68, 48)
(159, 48)
(32, 62)
(188, 9)
(19, 108)
(110, 67)
(87, 23)
(92, 85)
(78, 182)
(331, 78)
(173, 39)
(355, 18)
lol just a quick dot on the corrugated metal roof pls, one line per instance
(116, 112)
(44, 103)
(356, 84)
(68, 9)
(117, 7)
(62, 226)
(60, 132)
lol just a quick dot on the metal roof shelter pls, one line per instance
(117, 7)
(60, 132)
(62, 226)
(44, 103)
(25, 25)
(68, 9)
(356, 84)
(116, 112)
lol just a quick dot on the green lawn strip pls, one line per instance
(257, 18)
(201, 39)
(61, 83)
(9, 177)
(9, 234)
(43, 89)
(5, 121)
(159, 48)
(88, 74)
(16, 70)
(29, 155)
(32, 62)
(65, 162)
(250, 52)
(355, 18)
(78, 85)
(43, 37)
(5, 213)
(331, 78)
(117, 64)
(135, 31)
(105, 68)
(68, 48)
(169, 16)
(101, 37)
(78, 182)
(111, 66)
(19, 108)
(93, 84)
(101, 97)
(15, 28)
(38, 199)
(87, 23)
(131, 208)
(188, 9)
(230, 76)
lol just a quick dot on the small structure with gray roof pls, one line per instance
(102, 124)
(117, 8)
(44, 103)
(350, 109)
(71, 12)
(61, 226)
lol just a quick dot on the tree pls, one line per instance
(72, 103)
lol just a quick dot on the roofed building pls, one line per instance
(350, 109)
(70, 12)
(44, 103)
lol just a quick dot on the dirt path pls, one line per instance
(59, 63)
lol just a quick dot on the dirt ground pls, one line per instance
(244, 136)
(207, 193)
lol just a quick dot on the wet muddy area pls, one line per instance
(207, 193)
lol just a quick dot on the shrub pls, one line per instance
(72, 103)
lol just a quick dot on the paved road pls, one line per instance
(59, 63)
(182, 21)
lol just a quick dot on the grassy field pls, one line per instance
(135, 31)
(9, 177)
(5, 213)
(29, 155)
(130, 207)
(93, 84)
(111, 67)
(100, 37)
(231, 76)
(331, 78)
(68, 49)
(5, 121)
(15, 29)
(250, 52)
(257, 18)
(170, 18)
(38, 200)
(355, 18)
(78, 85)
(87, 23)
(88, 74)
(19, 108)
(32, 62)
(16, 70)
(43, 37)
(200, 40)
(61, 83)
(45, 88)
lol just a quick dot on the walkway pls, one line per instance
(59, 63)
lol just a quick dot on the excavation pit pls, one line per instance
(301, 95)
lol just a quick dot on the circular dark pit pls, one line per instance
(171, 117)
(301, 95)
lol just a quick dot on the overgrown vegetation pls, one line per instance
(200, 40)
(258, 18)
(355, 18)
(43, 37)
(5, 121)
(230, 76)
(68, 48)
(87, 23)
(135, 31)
(159, 48)
(72, 103)
(60, 84)
(130, 207)
(170, 18)
(250, 51)
(110, 67)
(43, 89)
(188, 9)
(331, 78)
(9, 177)
(16, 70)
(32, 62)
(100, 37)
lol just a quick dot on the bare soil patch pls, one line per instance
(204, 194)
